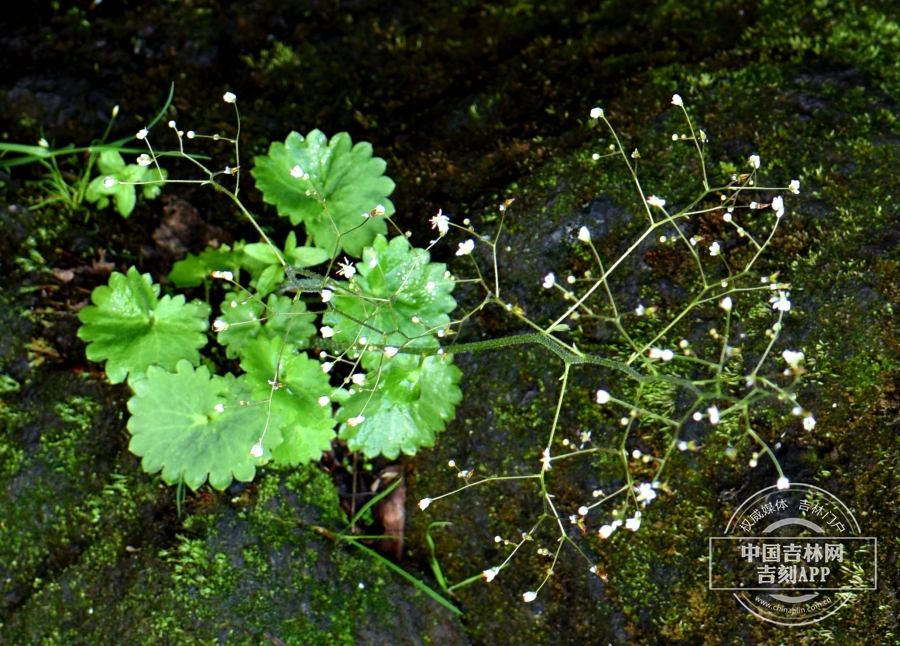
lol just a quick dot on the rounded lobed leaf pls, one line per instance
(307, 427)
(340, 182)
(132, 328)
(401, 297)
(413, 400)
(189, 424)
(246, 318)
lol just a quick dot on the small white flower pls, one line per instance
(327, 366)
(682, 446)
(646, 492)
(256, 451)
(465, 248)
(297, 172)
(219, 325)
(144, 159)
(781, 302)
(191, 134)
(172, 124)
(549, 280)
(809, 422)
(324, 400)
(653, 200)
(655, 353)
(778, 206)
(142, 133)
(714, 249)
(219, 408)
(792, 358)
(43, 143)
(326, 295)
(326, 331)
(347, 270)
(754, 161)
(545, 459)
(109, 182)
(358, 378)
(726, 304)
(596, 113)
(667, 355)
(606, 531)
(229, 97)
(783, 483)
(390, 351)
(226, 275)
(378, 210)
(713, 415)
(490, 574)
(356, 421)
(440, 222)
(640, 309)
(676, 100)
(602, 397)
(423, 504)
(634, 523)
(794, 186)
(582, 511)
(529, 596)
(584, 234)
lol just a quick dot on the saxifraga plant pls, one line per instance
(374, 365)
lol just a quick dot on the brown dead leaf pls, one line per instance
(64, 275)
(392, 513)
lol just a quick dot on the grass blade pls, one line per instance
(406, 575)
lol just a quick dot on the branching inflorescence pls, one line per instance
(706, 382)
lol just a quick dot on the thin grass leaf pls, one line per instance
(406, 575)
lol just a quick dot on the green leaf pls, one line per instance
(111, 164)
(307, 256)
(132, 328)
(348, 178)
(272, 277)
(194, 269)
(306, 427)
(413, 400)
(191, 424)
(266, 273)
(246, 317)
(405, 298)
